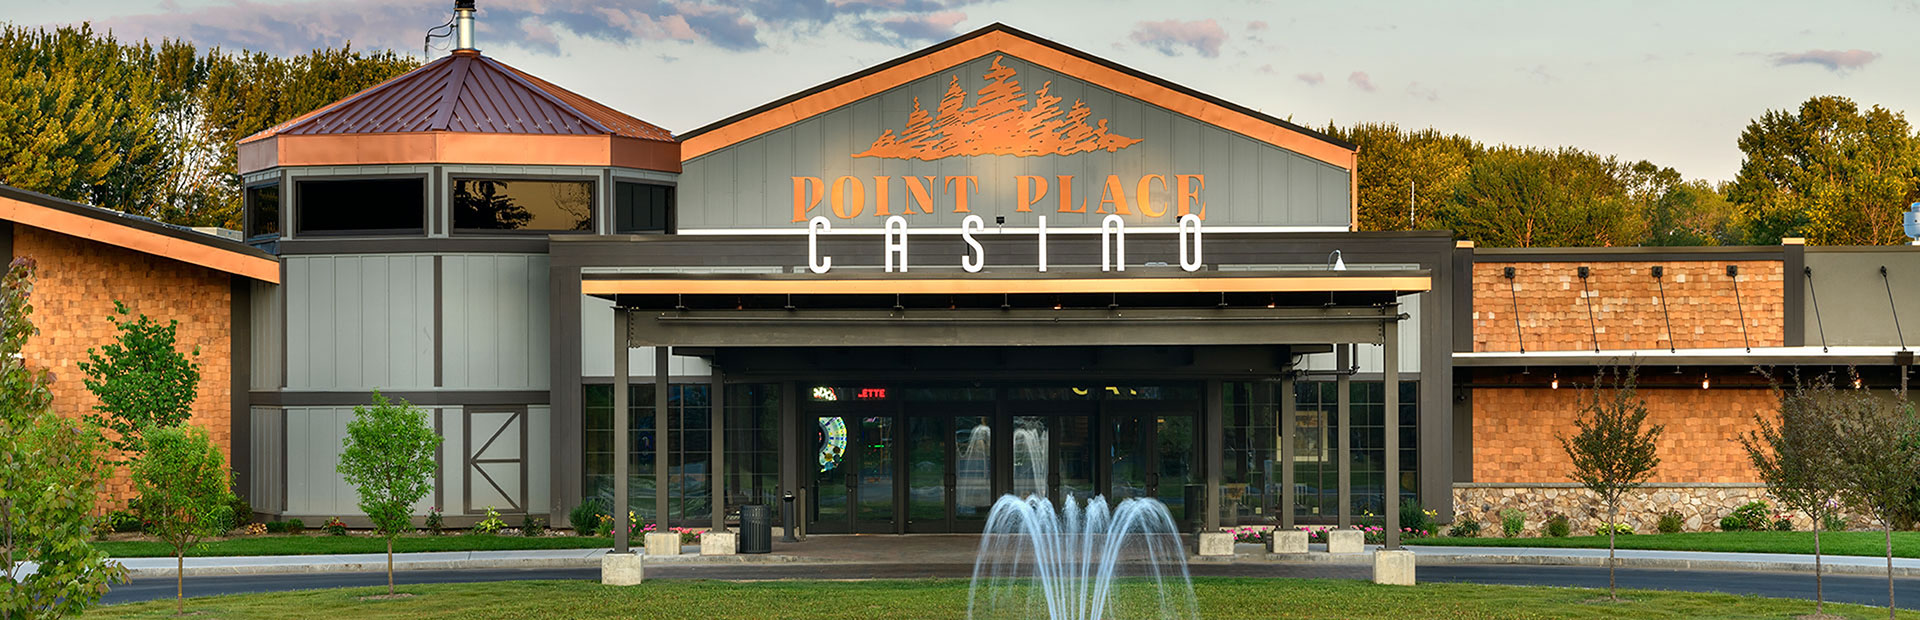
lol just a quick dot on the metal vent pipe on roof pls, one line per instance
(463, 24)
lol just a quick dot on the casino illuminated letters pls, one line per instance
(1113, 244)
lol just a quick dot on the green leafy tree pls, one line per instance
(141, 379)
(1613, 449)
(388, 457)
(185, 492)
(1692, 213)
(1406, 176)
(50, 469)
(1829, 172)
(1799, 458)
(1527, 198)
(1879, 455)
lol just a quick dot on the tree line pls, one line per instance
(150, 129)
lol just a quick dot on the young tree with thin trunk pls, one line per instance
(1879, 454)
(141, 379)
(50, 470)
(388, 458)
(185, 492)
(1613, 449)
(1799, 458)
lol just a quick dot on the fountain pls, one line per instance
(1091, 563)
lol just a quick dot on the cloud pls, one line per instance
(1360, 80)
(1422, 92)
(1832, 60)
(303, 25)
(1315, 78)
(1256, 26)
(1168, 37)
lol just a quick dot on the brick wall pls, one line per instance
(1626, 305)
(76, 284)
(1514, 433)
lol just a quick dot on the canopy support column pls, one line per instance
(1342, 360)
(1390, 368)
(660, 461)
(621, 428)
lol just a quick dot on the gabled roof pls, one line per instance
(136, 233)
(467, 92)
(1001, 38)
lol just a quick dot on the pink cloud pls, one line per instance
(1311, 79)
(1832, 60)
(1168, 37)
(1360, 80)
(1256, 26)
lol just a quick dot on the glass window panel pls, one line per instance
(263, 210)
(643, 208)
(362, 205)
(520, 204)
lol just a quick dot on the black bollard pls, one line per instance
(786, 518)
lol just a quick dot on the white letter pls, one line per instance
(815, 262)
(1118, 227)
(1043, 243)
(897, 244)
(968, 226)
(1184, 221)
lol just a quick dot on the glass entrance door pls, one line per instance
(875, 494)
(949, 472)
(1154, 449)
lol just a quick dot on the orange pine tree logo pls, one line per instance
(998, 123)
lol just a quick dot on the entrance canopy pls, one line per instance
(1056, 309)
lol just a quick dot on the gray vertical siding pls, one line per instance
(314, 437)
(267, 470)
(496, 322)
(1248, 183)
(1854, 308)
(266, 305)
(361, 322)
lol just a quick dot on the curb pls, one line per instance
(1463, 559)
(402, 564)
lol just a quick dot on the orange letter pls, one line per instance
(1191, 195)
(880, 202)
(1066, 196)
(917, 194)
(1115, 195)
(1141, 191)
(843, 208)
(1027, 195)
(807, 192)
(959, 186)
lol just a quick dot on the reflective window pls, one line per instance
(515, 204)
(363, 205)
(642, 208)
(263, 210)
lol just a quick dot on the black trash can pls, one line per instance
(756, 529)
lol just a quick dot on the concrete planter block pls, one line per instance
(1393, 568)
(719, 543)
(663, 544)
(1345, 541)
(620, 569)
(1216, 543)
(1287, 541)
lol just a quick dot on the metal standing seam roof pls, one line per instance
(467, 92)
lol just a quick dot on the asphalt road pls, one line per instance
(1847, 589)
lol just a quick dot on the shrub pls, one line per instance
(436, 523)
(1732, 523)
(1464, 527)
(242, 512)
(1834, 523)
(533, 527)
(1783, 524)
(1558, 526)
(1751, 516)
(276, 527)
(586, 517)
(1413, 519)
(1619, 529)
(334, 527)
(1671, 522)
(489, 526)
(1512, 521)
(603, 526)
(295, 526)
(123, 521)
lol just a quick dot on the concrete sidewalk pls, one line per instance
(1627, 558)
(377, 562)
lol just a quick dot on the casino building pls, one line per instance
(995, 265)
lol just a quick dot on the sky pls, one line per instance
(1669, 82)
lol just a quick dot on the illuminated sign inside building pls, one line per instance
(871, 394)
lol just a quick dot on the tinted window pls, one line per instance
(513, 204)
(263, 210)
(362, 205)
(642, 207)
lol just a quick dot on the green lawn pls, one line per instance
(935, 599)
(273, 544)
(1905, 544)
